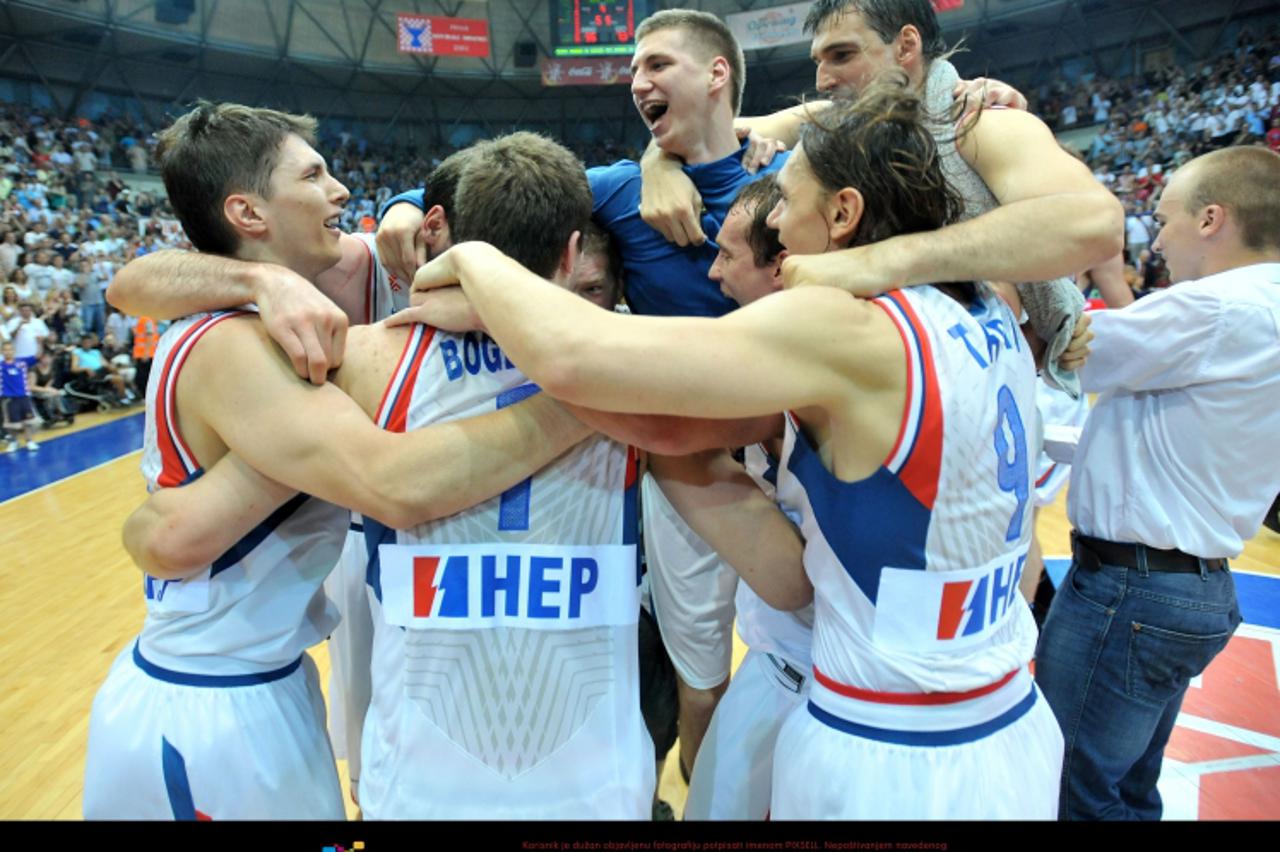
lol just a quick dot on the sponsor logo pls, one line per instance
(971, 606)
(547, 586)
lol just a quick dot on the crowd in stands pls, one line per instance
(1154, 122)
(375, 173)
(67, 222)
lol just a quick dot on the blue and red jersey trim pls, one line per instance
(928, 739)
(916, 457)
(178, 464)
(393, 410)
(922, 718)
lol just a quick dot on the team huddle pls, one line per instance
(458, 498)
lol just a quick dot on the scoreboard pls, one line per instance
(596, 27)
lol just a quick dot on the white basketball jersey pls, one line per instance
(505, 677)
(772, 631)
(259, 605)
(384, 292)
(915, 569)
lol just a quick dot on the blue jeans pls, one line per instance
(1115, 657)
(91, 317)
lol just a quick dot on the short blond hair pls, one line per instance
(711, 35)
(1246, 181)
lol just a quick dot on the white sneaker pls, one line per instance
(13, 446)
(32, 446)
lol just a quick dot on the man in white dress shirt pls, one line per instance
(1173, 474)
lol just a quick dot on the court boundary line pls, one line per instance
(26, 494)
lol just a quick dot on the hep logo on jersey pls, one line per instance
(485, 586)
(971, 606)
(441, 586)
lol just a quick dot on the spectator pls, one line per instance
(27, 331)
(39, 275)
(51, 401)
(61, 277)
(8, 303)
(61, 314)
(10, 251)
(146, 335)
(89, 290)
(15, 399)
(119, 325)
(138, 158)
(121, 364)
(90, 364)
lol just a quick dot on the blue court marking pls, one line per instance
(1259, 594)
(1259, 598)
(58, 458)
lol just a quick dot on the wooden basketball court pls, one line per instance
(71, 600)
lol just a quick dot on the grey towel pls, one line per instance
(1054, 307)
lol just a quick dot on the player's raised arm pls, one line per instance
(1051, 208)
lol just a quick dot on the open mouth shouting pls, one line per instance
(652, 111)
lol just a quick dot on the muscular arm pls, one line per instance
(1052, 209)
(783, 125)
(721, 503)
(787, 350)
(179, 530)
(309, 326)
(319, 441)
(674, 436)
(1054, 219)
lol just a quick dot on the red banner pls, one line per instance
(439, 36)
(587, 72)
(946, 5)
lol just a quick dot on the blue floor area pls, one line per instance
(1259, 596)
(1259, 599)
(58, 458)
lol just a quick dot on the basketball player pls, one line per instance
(215, 712)
(1019, 187)
(919, 651)
(505, 675)
(688, 78)
(732, 778)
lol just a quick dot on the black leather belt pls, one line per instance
(1092, 552)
